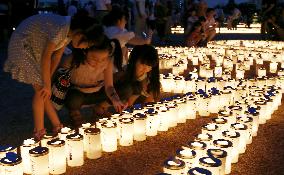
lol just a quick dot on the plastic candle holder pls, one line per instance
(109, 136)
(25, 147)
(126, 131)
(212, 164)
(57, 156)
(219, 154)
(140, 126)
(93, 143)
(75, 150)
(5, 149)
(39, 160)
(11, 164)
(174, 166)
(199, 171)
(187, 155)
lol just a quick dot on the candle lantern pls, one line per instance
(11, 164)
(221, 155)
(167, 84)
(206, 138)
(214, 103)
(83, 127)
(75, 150)
(263, 111)
(194, 60)
(211, 83)
(140, 126)
(109, 136)
(236, 110)
(261, 72)
(57, 156)
(93, 143)
(64, 132)
(126, 131)
(174, 166)
(190, 85)
(228, 115)
(5, 149)
(243, 130)
(261, 82)
(222, 123)
(234, 137)
(200, 84)
(226, 145)
(273, 67)
(249, 122)
(173, 114)
(138, 108)
(179, 84)
(199, 171)
(25, 147)
(47, 138)
(187, 155)
(225, 98)
(218, 71)
(240, 74)
(212, 164)
(200, 149)
(152, 122)
(39, 160)
(203, 105)
(164, 119)
(191, 107)
(212, 129)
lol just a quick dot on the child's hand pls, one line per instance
(45, 93)
(119, 106)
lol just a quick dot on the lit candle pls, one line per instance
(5, 149)
(187, 155)
(243, 130)
(173, 114)
(212, 129)
(174, 166)
(273, 67)
(226, 145)
(39, 160)
(199, 171)
(126, 131)
(221, 122)
(109, 136)
(75, 150)
(212, 164)
(57, 156)
(199, 147)
(191, 107)
(249, 122)
(206, 138)
(221, 155)
(203, 105)
(83, 127)
(93, 140)
(164, 118)
(47, 138)
(11, 164)
(25, 147)
(64, 132)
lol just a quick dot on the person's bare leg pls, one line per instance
(38, 109)
(51, 113)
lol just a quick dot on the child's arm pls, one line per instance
(109, 89)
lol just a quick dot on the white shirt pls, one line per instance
(122, 35)
(72, 10)
(101, 4)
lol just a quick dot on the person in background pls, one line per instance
(102, 9)
(35, 49)
(115, 23)
(91, 70)
(210, 24)
(161, 20)
(191, 20)
(195, 35)
(72, 9)
(220, 16)
(140, 16)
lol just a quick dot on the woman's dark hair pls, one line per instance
(114, 16)
(79, 55)
(89, 27)
(195, 25)
(148, 55)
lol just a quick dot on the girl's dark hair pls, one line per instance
(148, 55)
(195, 25)
(114, 16)
(89, 27)
(80, 55)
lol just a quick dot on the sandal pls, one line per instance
(57, 129)
(38, 135)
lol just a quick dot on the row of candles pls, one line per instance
(177, 30)
(52, 155)
(222, 141)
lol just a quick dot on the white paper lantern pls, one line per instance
(174, 166)
(5, 149)
(11, 164)
(93, 140)
(221, 155)
(198, 171)
(226, 145)
(212, 164)
(25, 148)
(244, 136)
(57, 156)
(187, 155)
(126, 131)
(109, 136)
(75, 150)
(39, 160)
